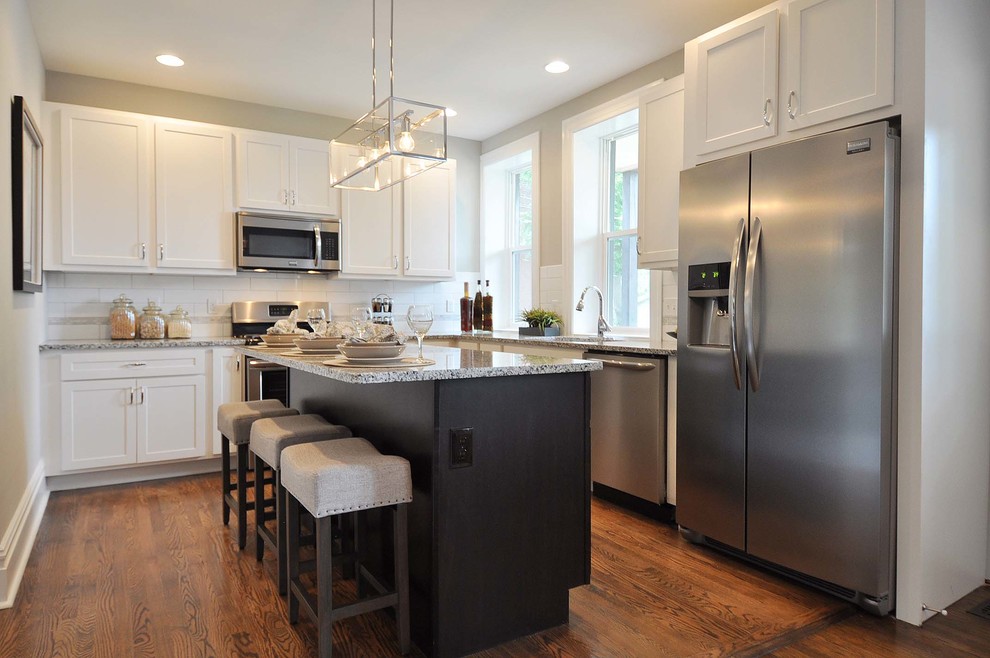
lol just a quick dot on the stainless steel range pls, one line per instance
(262, 379)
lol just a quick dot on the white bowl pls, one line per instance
(318, 344)
(370, 350)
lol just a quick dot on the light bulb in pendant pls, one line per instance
(406, 143)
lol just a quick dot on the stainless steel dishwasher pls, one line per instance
(628, 431)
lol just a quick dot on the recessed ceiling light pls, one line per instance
(557, 66)
(451, 112)
(170, 60)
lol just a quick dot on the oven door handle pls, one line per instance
(256, 364)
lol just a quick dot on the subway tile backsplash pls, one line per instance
(79, 303)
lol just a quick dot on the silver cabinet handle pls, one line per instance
(748, 293)
(144, 251)
(639, 246)
(767, 112)
(161, 251)
(791, 107)
(408, 263)
(293, 201)
(136, 364)
(395, 262)
(237, 365)
(733, 289)
(627, 365)
(316, 238)
(285, 197)
(130, 397)
(142, 391)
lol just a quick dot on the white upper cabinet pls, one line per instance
(839, 59)
(661, 149)
(195, 218)
(406, 230)
(428, 223)
(105, 184)
(734, 84)
(283, 173)
(371, 232)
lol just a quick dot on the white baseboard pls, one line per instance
(132, 474)
(18, 539)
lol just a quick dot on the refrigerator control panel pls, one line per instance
(710, 276)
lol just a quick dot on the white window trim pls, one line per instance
(529, 143)
(569, 127)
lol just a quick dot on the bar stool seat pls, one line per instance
(234, 420)
(336, 477)
(269, 436)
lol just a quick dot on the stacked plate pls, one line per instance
(317, 346)
(279, 340)
(372, 353)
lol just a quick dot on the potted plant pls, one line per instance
(541, 321)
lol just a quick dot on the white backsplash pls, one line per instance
(78, 304)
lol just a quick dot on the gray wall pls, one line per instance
(549, 126)
(21, 314)
(111, 94)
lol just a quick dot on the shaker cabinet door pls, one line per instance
(309, 168)
(171, 418)
(735, 85)
(99, 423)
(428, 221)
(839, 60)
(371, 232)
(661, 149)
(262, 170)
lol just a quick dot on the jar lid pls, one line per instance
(123, 299)
(152, 307)
(179, 312)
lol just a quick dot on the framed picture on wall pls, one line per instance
(27, 151)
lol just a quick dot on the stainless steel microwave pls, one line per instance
(279, 242)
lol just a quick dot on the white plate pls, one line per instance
(298, 352)
(396, 362)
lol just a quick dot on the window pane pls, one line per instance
(623, 161)
(522, 282)
(628, 288)
(522, 207)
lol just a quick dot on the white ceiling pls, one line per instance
(484, 58)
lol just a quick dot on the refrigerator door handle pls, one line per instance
(733, 291)
(748, 293)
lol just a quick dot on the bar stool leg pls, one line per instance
(324, 585)
(225, 474)
(259, 509)
(280, 531)
(292, 560)
(401, 576)
(242, 503)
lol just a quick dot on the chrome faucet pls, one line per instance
(603, 324)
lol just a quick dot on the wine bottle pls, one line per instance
(486, 314)
(478, 306)
(467, 310)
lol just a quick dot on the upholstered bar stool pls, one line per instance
(269, 436)
(234, 421)
(336, 477)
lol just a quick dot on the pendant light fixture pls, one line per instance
(395, 141)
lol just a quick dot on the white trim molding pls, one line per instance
(18, 539)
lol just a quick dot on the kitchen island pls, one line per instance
(499, 444)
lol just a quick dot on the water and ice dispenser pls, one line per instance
(708, 307)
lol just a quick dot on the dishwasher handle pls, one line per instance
(627, 365)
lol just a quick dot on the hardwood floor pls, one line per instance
(149, 570)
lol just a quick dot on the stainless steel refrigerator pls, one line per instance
(786, 359)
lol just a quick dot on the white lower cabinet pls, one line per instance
(116, 421)
(228, 386)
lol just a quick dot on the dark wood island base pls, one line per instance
(494, 546)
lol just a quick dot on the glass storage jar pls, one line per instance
(179, 324)
(151, 324)
(123, 319)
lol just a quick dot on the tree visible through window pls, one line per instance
(520, 239)
(627, 289)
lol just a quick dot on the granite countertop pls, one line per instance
(628, 345)
(107, 344)
(451, 363)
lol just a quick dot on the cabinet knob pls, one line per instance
(144, 251)
(791, 105)
(767, 112)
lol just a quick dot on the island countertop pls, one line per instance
(451, 363)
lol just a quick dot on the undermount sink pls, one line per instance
(586, 339)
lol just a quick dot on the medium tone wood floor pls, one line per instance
(149, 570)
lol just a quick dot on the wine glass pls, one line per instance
(420, 319)
(361, 316)
(316, 318)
